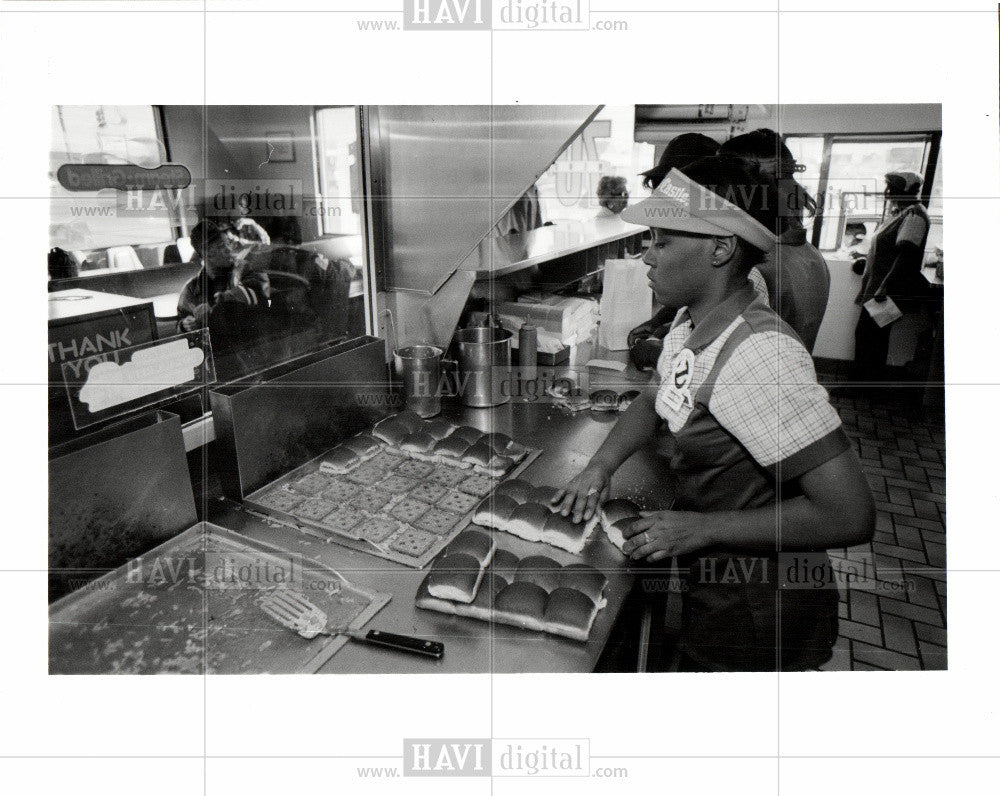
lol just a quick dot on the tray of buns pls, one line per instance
(526, 511)
(389, 493)
(477, 579)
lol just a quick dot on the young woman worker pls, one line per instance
(762, 464)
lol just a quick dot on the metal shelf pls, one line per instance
(498, 256)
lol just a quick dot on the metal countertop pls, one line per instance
(567, 442)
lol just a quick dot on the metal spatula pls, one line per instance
(295, 612)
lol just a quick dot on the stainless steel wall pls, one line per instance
(445, 175)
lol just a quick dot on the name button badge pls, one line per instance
(678, 392)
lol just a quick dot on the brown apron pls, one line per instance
(737, 613)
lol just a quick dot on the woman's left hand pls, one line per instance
(661, 534)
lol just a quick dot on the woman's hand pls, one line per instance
(585, 492)
(661, 534)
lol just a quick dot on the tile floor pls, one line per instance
(898, 620)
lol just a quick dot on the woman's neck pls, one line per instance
(714, 295)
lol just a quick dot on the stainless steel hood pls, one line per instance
(444, 175)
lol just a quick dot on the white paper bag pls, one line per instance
(626, 302)
(883, 312)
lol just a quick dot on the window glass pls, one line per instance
(87, 224)
(854, 193)
(339, 175)
(567, 190)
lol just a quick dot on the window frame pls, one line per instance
(932, 149)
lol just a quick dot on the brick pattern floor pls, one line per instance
(898, 620)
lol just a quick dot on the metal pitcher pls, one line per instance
(420, 367)
(483, 365)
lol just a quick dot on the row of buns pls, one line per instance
(440, 441)
(526, 511)
(534, 593)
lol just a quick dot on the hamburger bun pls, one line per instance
(495, 511)
(521, 604)
(475, 543)
(516, 489)
(569, 613)
(540, 570)
(339, 460)
(528, 521)
(562, 532)
(456, 577)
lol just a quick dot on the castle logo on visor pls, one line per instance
(679, 193)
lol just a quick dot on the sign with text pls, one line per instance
(109, 384)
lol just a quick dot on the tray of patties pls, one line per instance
(507, 584)
(401, 491)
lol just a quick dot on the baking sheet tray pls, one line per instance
(382, 549)
(189, 606)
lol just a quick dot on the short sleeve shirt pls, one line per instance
(753, 377)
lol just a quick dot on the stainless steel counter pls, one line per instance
(567, 442)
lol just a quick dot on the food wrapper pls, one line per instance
(883, 312)
(626, 302)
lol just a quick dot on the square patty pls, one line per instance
(339, 491)
(280, 500)
(437, 521)
(413, 542)
(415, 469)
(479, 485)
(312, 484)
(377, 529)
(372, 500)
(428, 492)
(314, 509)
(409, 510)
(458, 502)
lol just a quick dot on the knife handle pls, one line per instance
(418, 646)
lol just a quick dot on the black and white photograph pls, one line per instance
(556, 388)
(545, 396)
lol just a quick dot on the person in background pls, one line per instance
(795, 278)
(762, 463)
(612, 196)
(646, 340)
(300, 288)
(683, 149)
(892, 269)
(524, 216)
(219, 247)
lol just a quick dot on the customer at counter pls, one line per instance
(892, 269)
(612, 196)
(762, 463)
(794, 278)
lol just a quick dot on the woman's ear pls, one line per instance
(724, 251)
